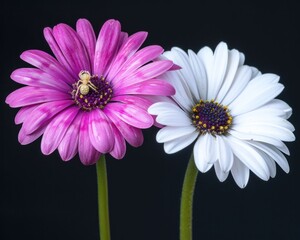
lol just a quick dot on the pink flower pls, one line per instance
(93, 96)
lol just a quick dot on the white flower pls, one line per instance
(230, 110)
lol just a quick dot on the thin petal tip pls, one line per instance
(112, 22)
(83, 20)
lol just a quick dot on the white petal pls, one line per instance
(169, 114)
(170, 133)
(255, 72)
(274, 153)
(279, 104)
(260, 118)
(261, 138)
(224, 154)
(221, 175)
(161, 107)
(288, 113)
(180, 143)
(269, 161)
(259, 91)
(205, 152)
(240, 173)
(278, 108)
(273, 108)
(173, 118)
(266, 129)
(183, 95)
(199, 74)
(251, 158)
(283, 148)
(271, 164)
(232, 66)
(206, 56)
(219, 67)
(181, 58)
(267, 78)
(241, 79)
(242, 59)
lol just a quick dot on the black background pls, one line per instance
(42, 197)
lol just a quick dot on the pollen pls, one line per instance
(211, 117)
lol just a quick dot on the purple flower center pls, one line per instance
(91, 91)
(211, 117)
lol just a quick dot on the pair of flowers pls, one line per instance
(96, 94)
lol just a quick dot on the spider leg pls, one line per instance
(77, 84)
(78, 88)
(92, 86)
(76, 93)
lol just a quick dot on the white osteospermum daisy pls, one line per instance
(230, 110)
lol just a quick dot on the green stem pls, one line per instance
(103, 210)
(186, 207)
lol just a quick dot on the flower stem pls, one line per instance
(186, 207)
(103, 210)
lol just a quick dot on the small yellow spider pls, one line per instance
(84, 83)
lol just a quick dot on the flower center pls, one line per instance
(91, 91)
(211, 117)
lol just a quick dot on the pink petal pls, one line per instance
(158, 98)
(131, 45)
(106, 46)
(68, 146)
(48, 34)
(131, 114)
(119, 149)
(72, 48)
(148, 87)
(131, 99)
(100, 131)
(24, 113)
(25, 138)
(87, 35)
(132, 135)
(32, 95)
(48, 64)
(139, 59)
(56, 130)
(42, 114)
(123, 39)
(87, 153)
(37, 78)
(146, 72)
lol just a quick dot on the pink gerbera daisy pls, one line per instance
(93, 96)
